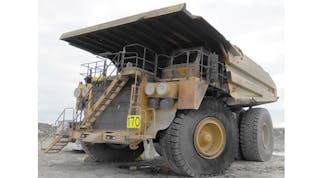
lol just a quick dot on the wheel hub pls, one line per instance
(209, 138)
(265, 136)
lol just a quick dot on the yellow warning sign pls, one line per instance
(133, 121)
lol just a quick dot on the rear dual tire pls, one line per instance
(256, 135)
(238, 114)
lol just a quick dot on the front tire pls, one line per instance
(193, 146)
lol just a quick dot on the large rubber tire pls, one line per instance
(256, 135)
(165, 146)
(238, 113)
(178, 141)
(158, 148)
(102, 152)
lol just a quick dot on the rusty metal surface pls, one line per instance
(164, 119)
(162, 30)
(191, 93)
(248, 83)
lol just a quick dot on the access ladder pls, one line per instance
(104, 100)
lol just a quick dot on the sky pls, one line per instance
(256, 26)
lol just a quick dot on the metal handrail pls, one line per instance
(147, 59)
(137, 58)
(58, 122)
(100, 67)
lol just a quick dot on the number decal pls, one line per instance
(133, 121)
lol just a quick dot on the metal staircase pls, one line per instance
(57, 144)
(62, 129)
(104, 100)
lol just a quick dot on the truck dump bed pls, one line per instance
(173, 28)
(162, 30)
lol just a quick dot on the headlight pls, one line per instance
(77, 92)
(149, 89)
(162, 88)
(85, 92)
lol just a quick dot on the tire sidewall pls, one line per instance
(265, 153)
(189, 152)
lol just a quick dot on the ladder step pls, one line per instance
(59, 145)
(108, 98)
(62, 143)
(64, 140)
(56, 148)
(100, 110)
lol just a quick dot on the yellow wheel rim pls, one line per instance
(209, 138)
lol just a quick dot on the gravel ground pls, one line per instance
(69, 164)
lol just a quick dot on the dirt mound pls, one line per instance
(278, 139)
(44, 129)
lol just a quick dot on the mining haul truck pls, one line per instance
(168, 78)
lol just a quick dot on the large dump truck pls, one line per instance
(168, 78)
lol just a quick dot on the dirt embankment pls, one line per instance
(44, 129)
(279, 139)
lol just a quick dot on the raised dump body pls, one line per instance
(168, 77)
(174, 28)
